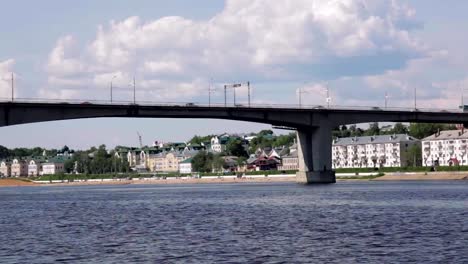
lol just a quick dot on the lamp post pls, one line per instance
(134, 90)
(386, 100)
(12, 87)
(233, 86)
(209, 92)
(111, 87)
(301, 91)
(415, 98)
(328, 99)
(248, 91)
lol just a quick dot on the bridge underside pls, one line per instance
(313, 126)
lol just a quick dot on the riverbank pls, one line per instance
(432, 176)
(429, 176)
(15, 182)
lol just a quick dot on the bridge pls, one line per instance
(314, 124)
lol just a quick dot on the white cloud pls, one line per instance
(270, 40)
(6, 69)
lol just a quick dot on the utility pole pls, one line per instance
(300, 95)
(386, 100)
(209, 94)
(248, 91)
(12, 87)
(134, 90)
(328, 97)
(415, 98)
(111, 92)
(234, 95)
(225, 102)
(462, 99)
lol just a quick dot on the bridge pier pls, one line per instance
(315, 155)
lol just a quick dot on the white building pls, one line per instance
(34, 168)
(53, 167)
(185, 167)
(218, 144)
(445, 148)
(372, 151)
(19, 168)
(5, 169)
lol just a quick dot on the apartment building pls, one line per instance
(445, 148)
(372, 151)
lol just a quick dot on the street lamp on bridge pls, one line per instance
(301, 91)
(111, 87)
(234, 86)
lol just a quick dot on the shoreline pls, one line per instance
(435, 176)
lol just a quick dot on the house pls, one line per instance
(230, 163)
(445, 148)
(19, 168)
(264, 159)
(35, 166)
(185, 166)
(372, 151)
(53, 166)
(5, 169)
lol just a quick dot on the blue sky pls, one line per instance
(359, 49)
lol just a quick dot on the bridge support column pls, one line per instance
(315, 155)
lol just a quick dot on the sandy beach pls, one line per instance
(433, 176)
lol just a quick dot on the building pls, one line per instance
(169, 161)
(5, 169)
(185, 166)
(19, 168)
(289, 161)
(218, 143)
(264, 159)
(53, 166)
(35, 167)
(445, 148)
(372, 151)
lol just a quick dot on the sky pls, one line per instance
(359, 50)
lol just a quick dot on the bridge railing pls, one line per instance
(222, 105)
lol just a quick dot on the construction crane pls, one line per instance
(139, 139)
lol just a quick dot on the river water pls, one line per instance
(349, 222)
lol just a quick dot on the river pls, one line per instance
(348, 222)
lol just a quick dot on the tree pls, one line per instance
(399, 128)
(414, 156)
(284, 140)
(373, 129)
(265, 132)
(217, 162)
(235, 148)
(202, 161)
(423, 130)
(4, 152)
(199, 139)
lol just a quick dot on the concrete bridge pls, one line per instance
(313, 125)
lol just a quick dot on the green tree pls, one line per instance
(235, 147)
(4, 152)
(373, 129)
(422, 130)
(202, 162)
(399, 128)
(414, 155)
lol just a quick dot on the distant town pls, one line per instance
(398, 145)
